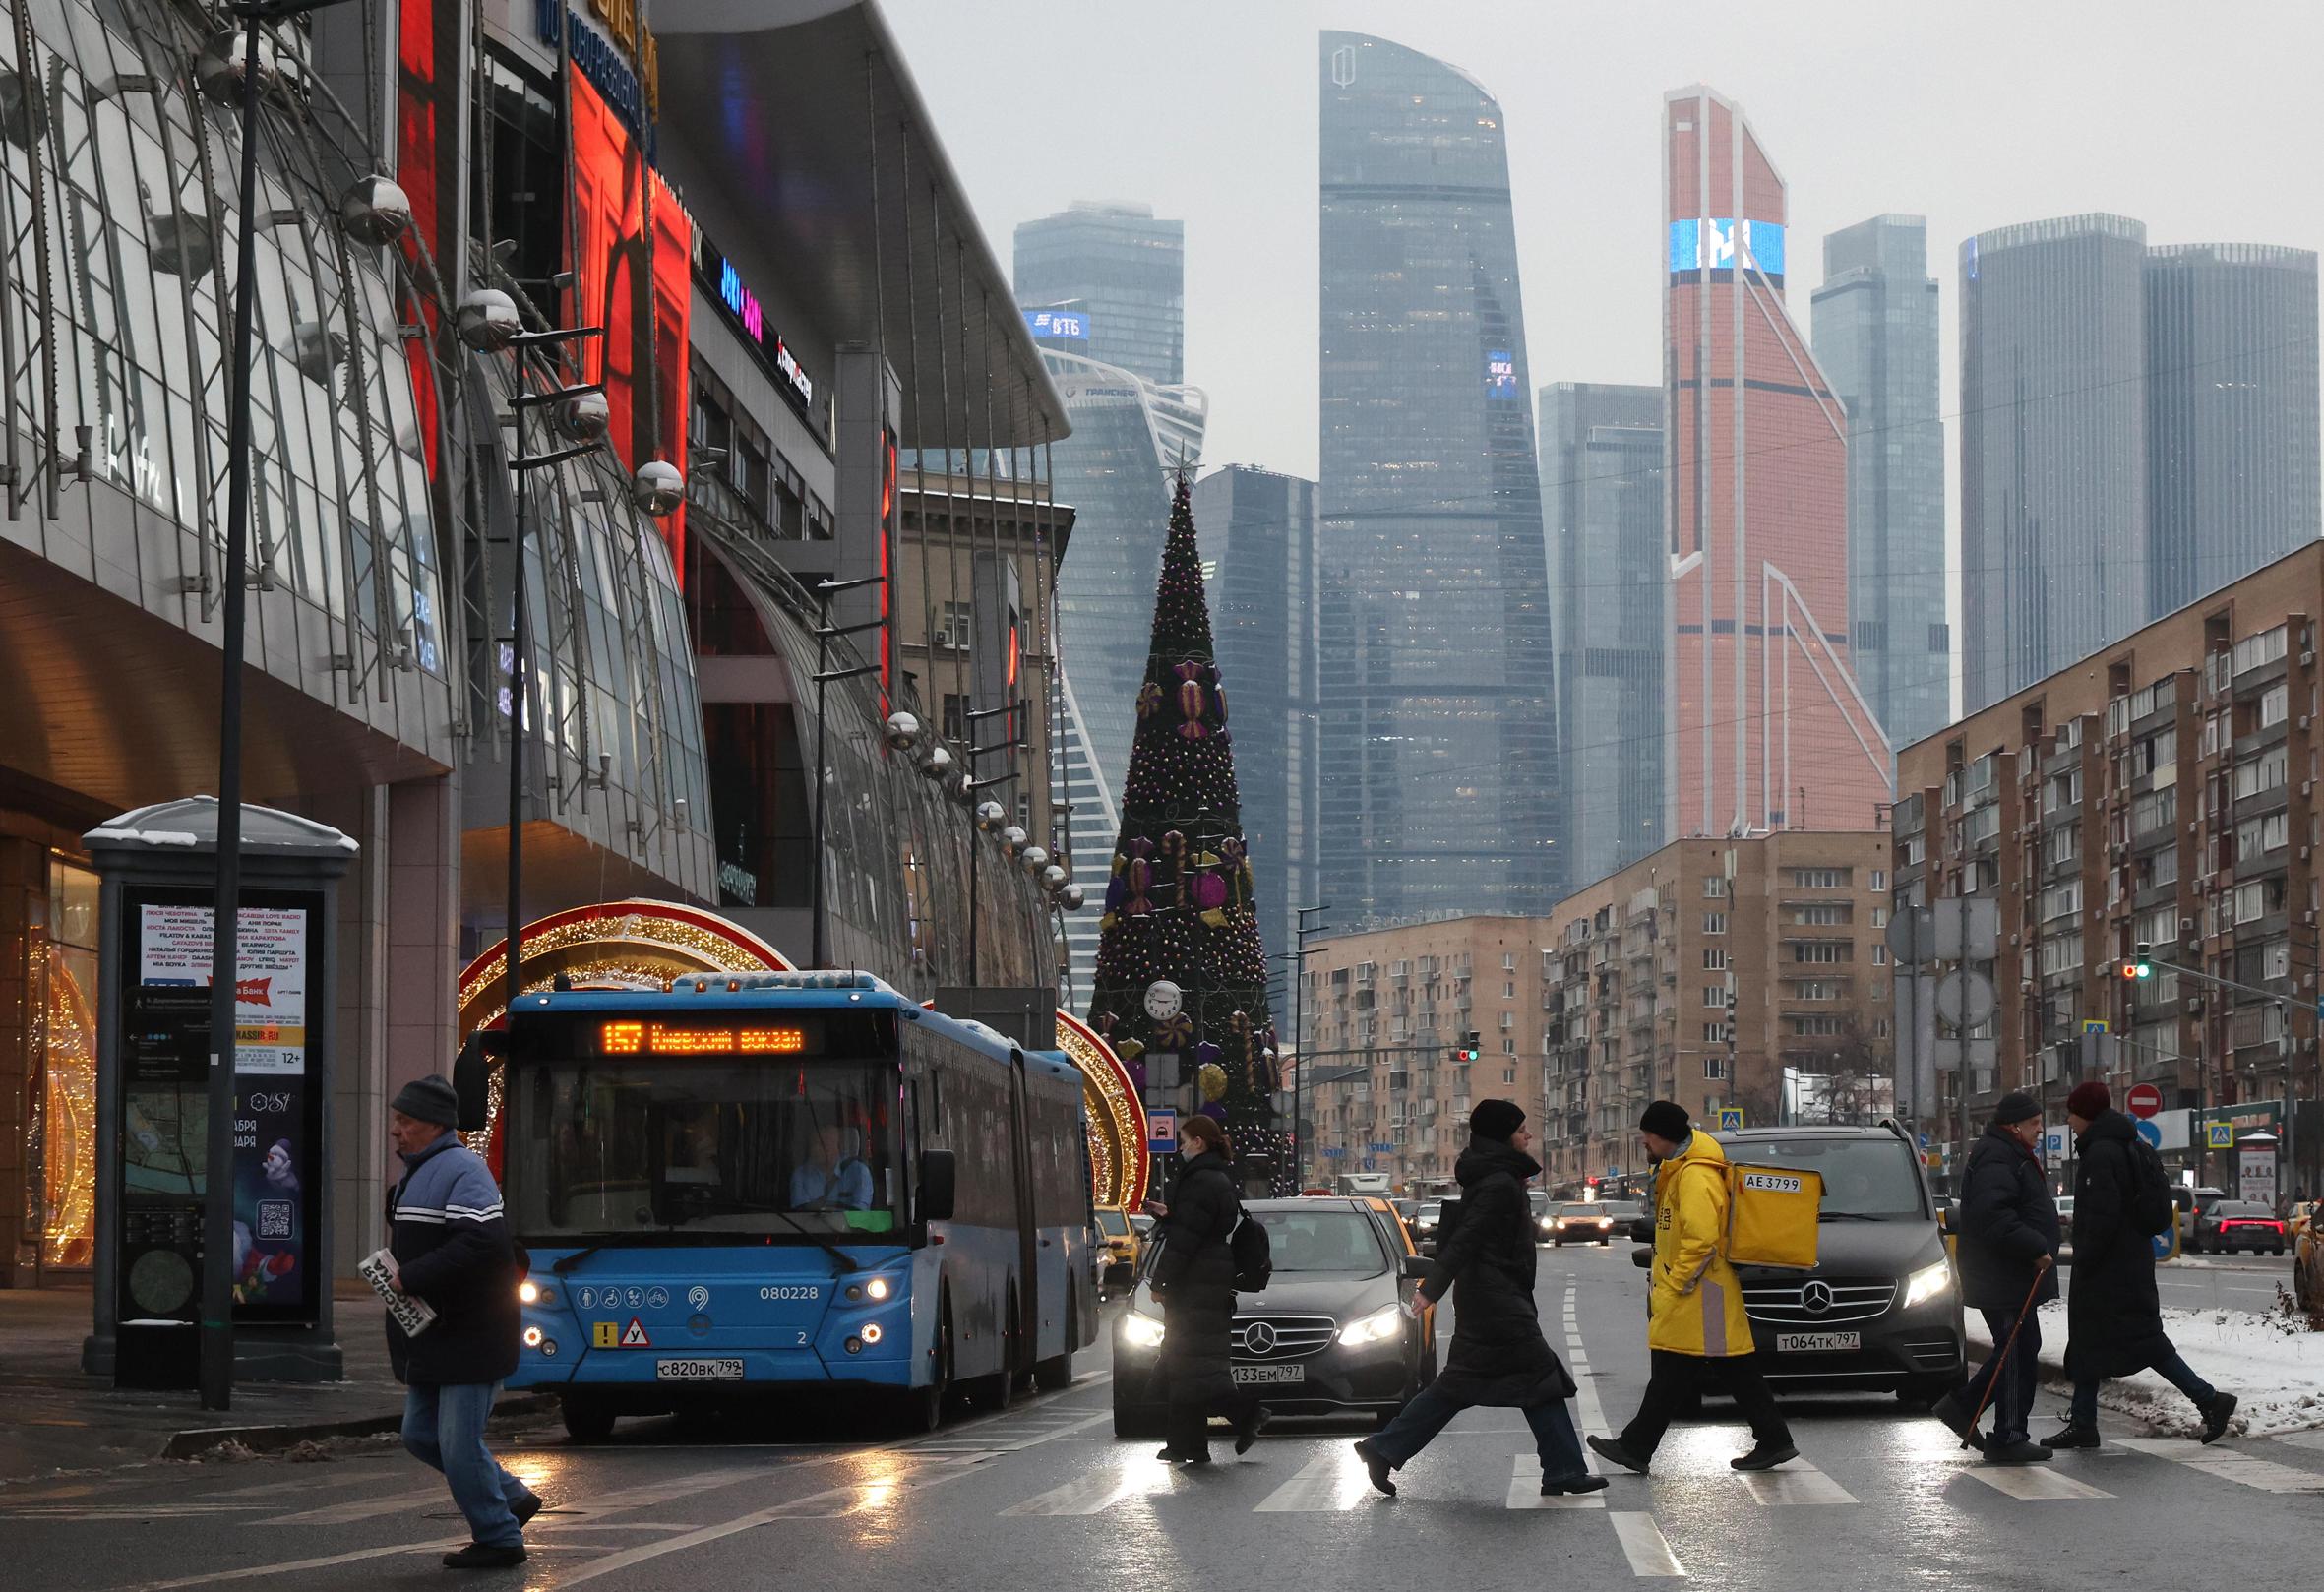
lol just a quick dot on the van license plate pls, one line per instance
(698, 1370)
(1818, 1342)
(1268, 1375)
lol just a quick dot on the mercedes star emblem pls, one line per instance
(1260, 1338)
(1817, 1298)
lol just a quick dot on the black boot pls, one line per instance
(1376, 1467)
(485, 1557)
(1584, 1483)
(1958, 1421)
(1612, 1450)
(1765, 1457)
(1251, 1420)
(2071, 1435)
(2216, 1416)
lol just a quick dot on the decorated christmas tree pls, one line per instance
(1179, 908)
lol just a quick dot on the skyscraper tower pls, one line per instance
(1103, 286)
(1769, 728)
(1257, 530)
(1602, 499)
(2231, 402)
(2053, 461)
(1875, 336)
(1440, 733)
(1126, 271)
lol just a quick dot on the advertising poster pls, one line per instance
(271, 976)
(270, 1192)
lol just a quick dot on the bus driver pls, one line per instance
(831, 1181)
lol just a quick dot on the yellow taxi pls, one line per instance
(2308, 1260)
(1121, 1245)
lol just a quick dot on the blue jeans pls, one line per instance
(2012, 1379)
(1430, 1412)
(443, 1429)
(2174, 1370)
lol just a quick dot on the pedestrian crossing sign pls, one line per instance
(2222, 1135)
(1731, 1119)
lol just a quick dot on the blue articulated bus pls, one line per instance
(785, 1180)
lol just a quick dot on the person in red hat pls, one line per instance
(2113, 1314)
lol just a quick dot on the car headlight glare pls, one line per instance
(1378, 1328)
(1929, 1282)
(877, 1288)
(1141, 1330)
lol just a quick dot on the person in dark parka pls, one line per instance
(2008, 1256)
(1194, 1282)
(2113, 1314)
(1499, 1357)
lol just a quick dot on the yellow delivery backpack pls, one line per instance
(1771, 1216)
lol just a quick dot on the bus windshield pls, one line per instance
(612, 1148)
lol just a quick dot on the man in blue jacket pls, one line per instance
(452, 1251)
(2009, 1255)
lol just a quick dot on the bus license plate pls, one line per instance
(1818, 1342)
(698, 1370)
(1268, 1375)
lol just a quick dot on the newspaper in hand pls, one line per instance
(411, 1314)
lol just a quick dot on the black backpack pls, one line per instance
(1255, 1258)
(2151, 1209)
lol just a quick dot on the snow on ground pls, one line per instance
(2277, 1374)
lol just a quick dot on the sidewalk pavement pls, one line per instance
(54, 1418)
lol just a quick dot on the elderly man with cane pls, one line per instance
(2008, 1254)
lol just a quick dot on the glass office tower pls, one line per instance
(1439, 728)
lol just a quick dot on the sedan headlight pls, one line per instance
(1141, 1332)
(1378, 1328)
(1929, 1282)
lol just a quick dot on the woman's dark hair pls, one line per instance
(1205, 1132)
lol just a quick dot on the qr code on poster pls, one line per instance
(274, 1218)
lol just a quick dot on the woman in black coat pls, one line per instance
(1194, 1282)
(2114, 1314)
(1499, 1357)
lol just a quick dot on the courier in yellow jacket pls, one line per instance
(1695, 1306)
(1696, 1330)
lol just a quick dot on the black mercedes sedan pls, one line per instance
(1329, 1334)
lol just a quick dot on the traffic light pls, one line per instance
(1465, 1052)
(2142, 964)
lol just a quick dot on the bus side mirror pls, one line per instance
(472, 1076)
(937, 1178)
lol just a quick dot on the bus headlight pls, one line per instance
(1928, 1283)
(1141, 1332)
(877, 1288)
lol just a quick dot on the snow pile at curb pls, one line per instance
(2277, 1374)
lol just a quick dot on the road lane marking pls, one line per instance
(1588, 1413)
(1327, 1484)
(2229, 1465)
(366, 1509)
(293, 1566)
(2034, 1482)
(1525, 1490)
(1798, 1482)
(1097, 1492)
(853, 1497)
(647, 1494)
(1643, 1545)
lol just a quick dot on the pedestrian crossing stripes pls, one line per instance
(2245, 1470)
(1327, 1484)
(1644, 1546)
(1798, 1482)
(1525, 1490)
(2033, 1482)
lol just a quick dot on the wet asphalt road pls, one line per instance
(1042, 1497)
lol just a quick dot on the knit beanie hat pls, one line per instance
(2090, 1100)
(2016, 1108)
(428, 1099)
(1664, 1119)
(1496, 1120)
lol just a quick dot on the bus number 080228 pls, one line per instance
(782, 1291)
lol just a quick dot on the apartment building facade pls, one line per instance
(2161, 791)
(1704, 973)
(1384, 1016)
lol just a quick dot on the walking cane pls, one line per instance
(2015, 1327)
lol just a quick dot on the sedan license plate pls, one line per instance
(1268, 1375)
(698, 1370)
(1818, 1342)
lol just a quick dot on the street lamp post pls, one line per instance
(217, 1375)
(1299, 1040)
(818, 936)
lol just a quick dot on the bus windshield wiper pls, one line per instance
(842, 1261)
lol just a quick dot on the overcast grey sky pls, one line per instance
(2198, 119)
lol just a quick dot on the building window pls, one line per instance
(1715, 996)
(1714, 887)
(1815, 989)
(1879, 917)
(2264, 772)
(1880, 880)
(955, 717)
(1714, 1033)
(1714, 923)
(1509, 1074)
(1508, 989)
(2274, 703)
(952, 626)
(1820, 951)
(2062, 844)
(1821, 878)
(1879, 955)
(1808, 1027)
(1714, 959)
(1821, 917)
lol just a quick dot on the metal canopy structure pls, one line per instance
(821, 136)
